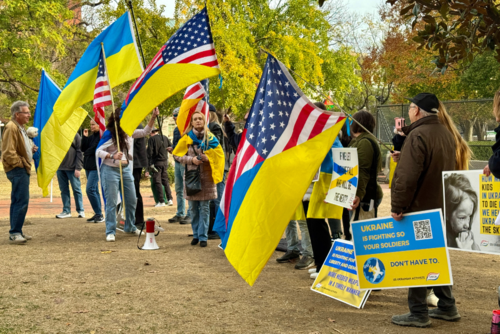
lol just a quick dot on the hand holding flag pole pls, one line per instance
(116, 127)
(338, 105)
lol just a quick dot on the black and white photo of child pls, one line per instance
(461, 202)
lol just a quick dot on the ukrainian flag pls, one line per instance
(211, 148)
(122, 60)
(318, 208)
(54, 138)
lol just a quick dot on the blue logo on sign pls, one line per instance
(374, 270)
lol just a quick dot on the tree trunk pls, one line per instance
(480, 128)
(468, 126)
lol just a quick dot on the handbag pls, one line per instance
(192, 181)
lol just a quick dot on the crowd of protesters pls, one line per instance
(422, 150)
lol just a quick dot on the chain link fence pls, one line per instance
(473, 119)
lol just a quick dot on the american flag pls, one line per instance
(281, 118)
(102, 95)
(191, 44)
(197, 91)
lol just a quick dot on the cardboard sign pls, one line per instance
(405, 254)
(338, 278)
(344, 177)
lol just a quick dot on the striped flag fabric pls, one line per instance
(285, 140)
(187, 57)
(102, 95)
(195, 99)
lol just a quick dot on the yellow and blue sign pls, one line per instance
(404, 254)
(338, 277)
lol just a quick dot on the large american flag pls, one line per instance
(281, 118)
(191, 44)
(102, 95)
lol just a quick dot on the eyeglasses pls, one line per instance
(24, 112)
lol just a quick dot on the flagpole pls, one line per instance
(142, 52)
(336, 103)
(116, 127)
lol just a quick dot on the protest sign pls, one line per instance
(344, 177)
(404, 254)
(338, 277)
(472, 204)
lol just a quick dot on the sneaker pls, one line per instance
(220, 246)
(91, 220)
(110, 238)
(17, 239)
(175, 219)
(99, 219)
(194, 242)
(203, 244)
(445, 315)
(336, 236)
(213, 236)
(305, 262)
(136, 232)
(81, 214)
(170, 202)
(314, 275)
(185, 220)
(27, 237)
(432, 300)
(409, 319)
(312, 271)
(289, 255)
(159, 205)
(63, 215)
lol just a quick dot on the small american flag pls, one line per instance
(102, 95)
(197, 91)
(191, 44)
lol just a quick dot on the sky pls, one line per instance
(357, 6)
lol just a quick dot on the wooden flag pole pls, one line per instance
(116, 128)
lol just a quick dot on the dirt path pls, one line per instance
(69, 280)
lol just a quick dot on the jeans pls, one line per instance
(63, 177)
(417, 300)
(216, 202)
(292, 237)
(200, 211)
(111, 184)
(179, 190)
(19, 198)
(93, 191)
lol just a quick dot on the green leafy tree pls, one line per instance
(296, 32)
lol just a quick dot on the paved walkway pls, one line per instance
(39, 207)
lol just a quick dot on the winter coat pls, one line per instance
(89, 146)
(370, 163)
(494, 162)
(208, 187)
(234, 138)
(429, 149)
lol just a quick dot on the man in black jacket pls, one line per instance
(89, 145)
(158, 148)
(69, 172)
(140, 161)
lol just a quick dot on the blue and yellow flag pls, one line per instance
(187, 57)
(122, 60)
(54, 138)
(212, 150)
